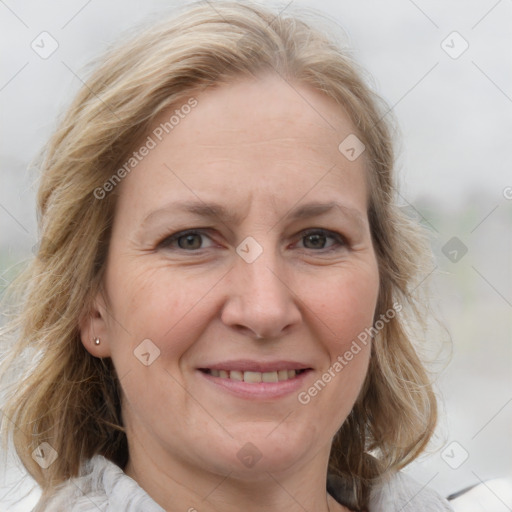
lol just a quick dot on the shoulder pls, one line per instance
(400, 492)
(393, 492)
(103, 486)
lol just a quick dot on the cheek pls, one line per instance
(343, 311)
(345, 306)
(157, 304)
(164, 307)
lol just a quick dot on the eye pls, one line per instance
(192, 240)
(187, 240)
(316, 239)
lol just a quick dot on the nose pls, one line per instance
(260, 298)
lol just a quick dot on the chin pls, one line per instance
(264, 448)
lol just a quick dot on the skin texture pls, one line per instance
(261, 148)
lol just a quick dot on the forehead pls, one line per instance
(268, 108)
(260, 135)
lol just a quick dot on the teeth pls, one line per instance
(269, 377)
(236, 375)
(282, 375)
(254, 377)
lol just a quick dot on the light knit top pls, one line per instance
(103, 486)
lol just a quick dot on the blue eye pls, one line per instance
(314, 239)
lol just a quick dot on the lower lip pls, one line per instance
(258, 390)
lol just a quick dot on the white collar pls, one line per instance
(103, 485)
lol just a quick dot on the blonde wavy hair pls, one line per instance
(70, 399)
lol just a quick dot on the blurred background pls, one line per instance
(445, 70)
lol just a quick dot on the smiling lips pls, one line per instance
(255, 377)
(256, 380)
(255, 372)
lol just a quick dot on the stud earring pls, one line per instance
(97, 341)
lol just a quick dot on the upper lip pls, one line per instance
(250, 365)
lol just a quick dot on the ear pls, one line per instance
(93, 326)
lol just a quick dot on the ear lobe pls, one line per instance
(93, 326)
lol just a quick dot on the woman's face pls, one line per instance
(240, 252)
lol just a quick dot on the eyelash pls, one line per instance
(337, 237)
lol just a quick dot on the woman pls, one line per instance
(270, 359)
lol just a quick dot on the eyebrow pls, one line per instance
(218, 211)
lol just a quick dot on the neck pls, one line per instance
(176, 485)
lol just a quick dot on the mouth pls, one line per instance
(255, 377)
(256, 380)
